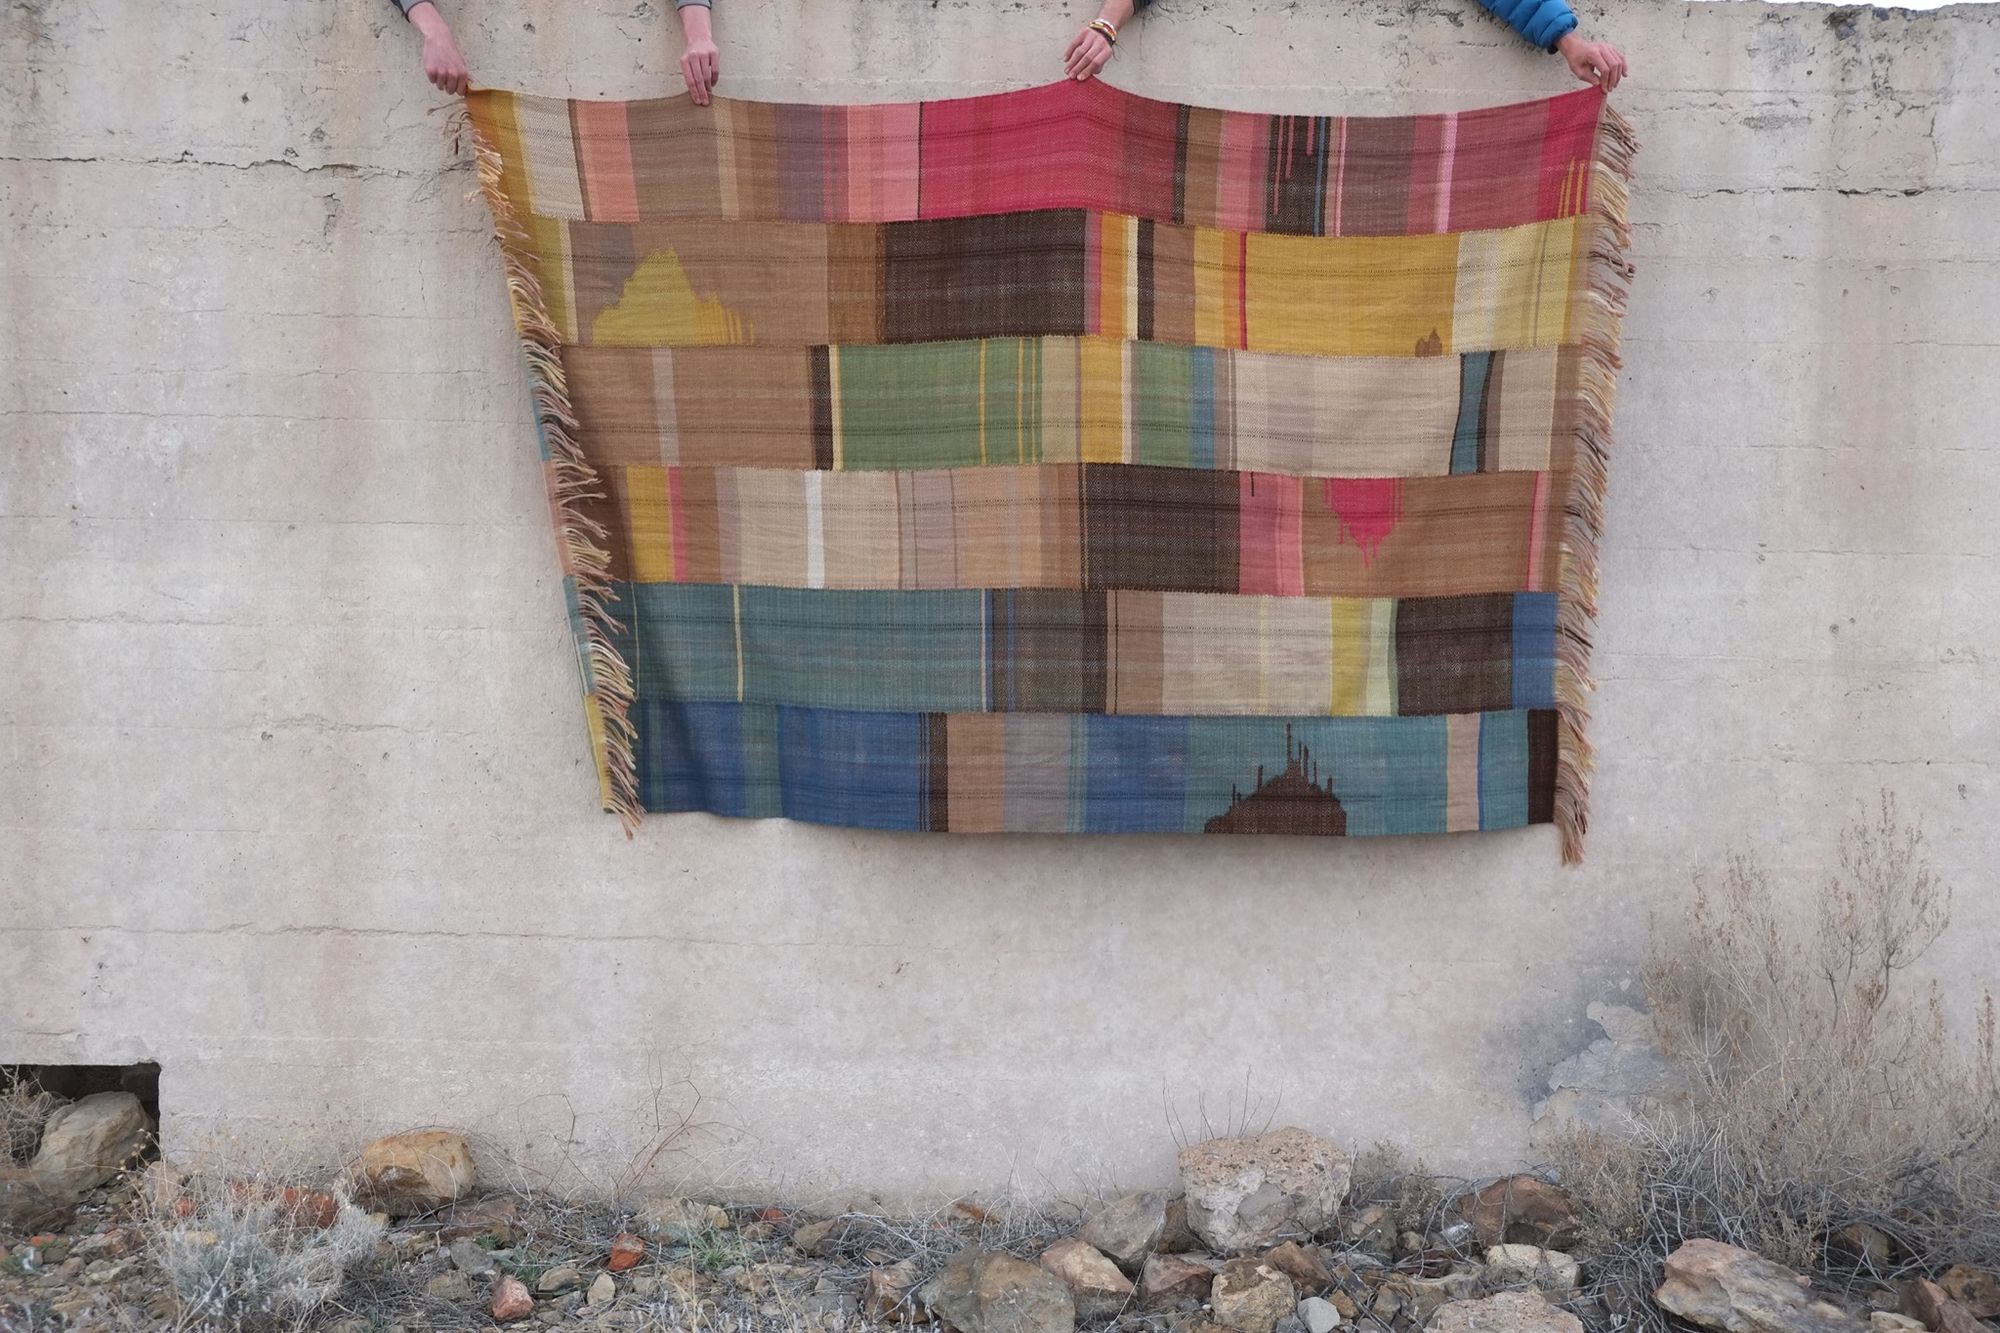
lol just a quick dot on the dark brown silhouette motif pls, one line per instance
(1295, 801)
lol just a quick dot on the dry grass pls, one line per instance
(1825, 1087)
(1414, 1194)
(254, 1255)
(24, 1108)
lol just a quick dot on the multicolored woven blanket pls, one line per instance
(1066, 461)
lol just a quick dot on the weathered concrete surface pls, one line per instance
(293, 788)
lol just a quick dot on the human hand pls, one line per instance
(1088, 54)
(443, 65)
(701, 66)
(1600, 63)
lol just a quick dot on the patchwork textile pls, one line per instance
(1065, 461)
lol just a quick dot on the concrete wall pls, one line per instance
(294, 795)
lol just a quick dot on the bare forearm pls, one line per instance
(695, 24)
(426, 19)
(701, 66)
(1117, 12)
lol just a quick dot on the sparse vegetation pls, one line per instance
(24, 1108)
(1833, 1117)
(256, 1255)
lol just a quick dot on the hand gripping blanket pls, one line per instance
(1066, 461)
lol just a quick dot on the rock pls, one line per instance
(1429, 1294)
(311, 1208)
(91, 1140)
(1250, 1295)
(1720, 1286)
(1410, 1242)
(1175, 1281)
(1319, 1316)
(452, 1287)
(408, 1245)
(809, 1238)
(1509, 1312)
(497, 1218)
(680, 1220)
(29, 1203)
(1974, 1289)
(1344, 1303)
(885, 1293)
(626, 1252)
(981, 1291)
(472, 1260)
(1862, 1243)
(161, 1184)
(415, 1172)
(1886, 1321)
(1306, 1265)
(558, 1280)
(603, 1291)
(1095, 1283)
(1941, 1314)
(1179, 1237)
(1545, 1270)
(1129, 1228)
(1388, 1302)
(1243, 1194)
(510, 1300)
(1291, 1323)
(1521, 1210)
(1372, 1229)
(850, 1235)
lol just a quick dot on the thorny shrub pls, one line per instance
(24, 1108)
(1823, 1090)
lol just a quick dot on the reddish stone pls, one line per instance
(1521, 1210)
(626, 1252)
(1306, 1266)
(1174, 1281)
(310, 1208)
(1941, 1314)
(498, 1217)
(510, 1300)
(1972, 1288)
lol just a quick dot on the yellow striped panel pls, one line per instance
(1352, 619)
(1215, 321)
(1355, 296)
(651, 516)
(1516, 286)
(1101, 380)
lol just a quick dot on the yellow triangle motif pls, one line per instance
(659, 308)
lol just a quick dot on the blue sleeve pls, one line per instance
(1541, 23)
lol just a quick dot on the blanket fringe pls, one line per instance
(573, 482)
(1608, 274)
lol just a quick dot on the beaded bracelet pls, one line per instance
(1104, 26)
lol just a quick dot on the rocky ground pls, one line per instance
(1265, 1234)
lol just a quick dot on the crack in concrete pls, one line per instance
(353, 170)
